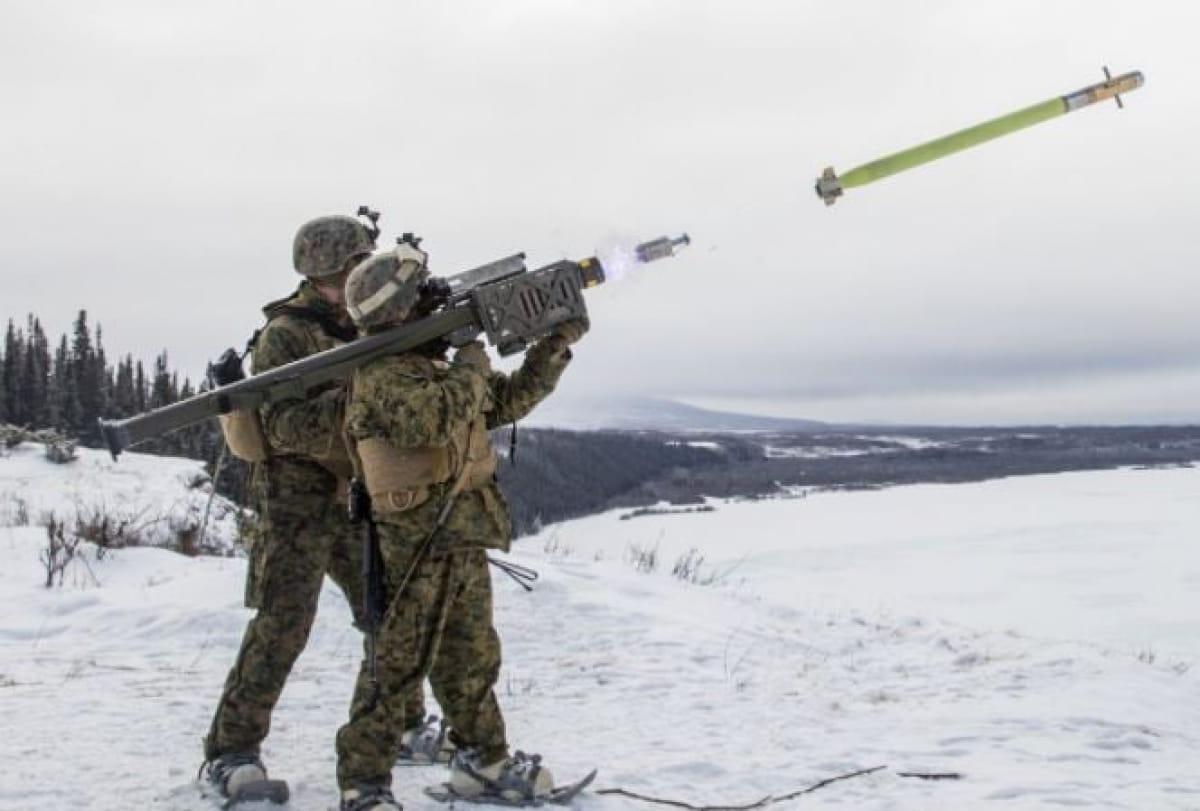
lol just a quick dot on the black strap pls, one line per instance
(326, 321)
(374, 590)
(522, 575)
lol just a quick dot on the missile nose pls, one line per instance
(660, 248)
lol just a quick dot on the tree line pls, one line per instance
(68, 385)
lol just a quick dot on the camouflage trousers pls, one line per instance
(441, 628)
(287, 567)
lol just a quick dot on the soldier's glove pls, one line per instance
(475, 356)
(569, 332)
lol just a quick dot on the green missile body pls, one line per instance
(830, 186)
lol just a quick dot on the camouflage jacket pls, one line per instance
(299, 429)
(411, 403)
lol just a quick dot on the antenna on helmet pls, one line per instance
(373, 216)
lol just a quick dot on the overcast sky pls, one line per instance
(156, 158)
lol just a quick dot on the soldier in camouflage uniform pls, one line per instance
(419, 428)
(300, 490)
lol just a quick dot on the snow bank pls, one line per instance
(829, 642)
(154, 497)
(1108, 556)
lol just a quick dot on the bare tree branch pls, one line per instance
(765, 801)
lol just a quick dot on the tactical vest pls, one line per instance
(399, 479)
(244, 434)
(243, 429)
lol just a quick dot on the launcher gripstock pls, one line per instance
(503, 300)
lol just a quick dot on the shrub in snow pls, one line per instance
(60, 448)
(687, 566)
(96, 524)
(15, 513)
(11, 436)
(60, 451)
(186, 537)
(59, 552)
(642, 558)
(554, 546)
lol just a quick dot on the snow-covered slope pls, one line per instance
(1022, 633)
(151, 497)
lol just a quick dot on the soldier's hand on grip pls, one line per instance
(571, 331)
(475, 356)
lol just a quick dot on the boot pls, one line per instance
(517, 779)
(369, 798)
(426, 743)
(232, 772)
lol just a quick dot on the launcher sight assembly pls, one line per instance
(830, 186)
(502, 301)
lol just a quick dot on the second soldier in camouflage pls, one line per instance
(419, 426)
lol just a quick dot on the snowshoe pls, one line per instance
(369, 798)
(517, 781)
(426, 743)
(237, 778)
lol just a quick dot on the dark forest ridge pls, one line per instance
(564, 474)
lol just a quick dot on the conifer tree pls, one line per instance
(140, 387)
(33, 391)
(124, 399)
(66, 390)
(54, 392)
(160, 387)
(101, 378)
(12, 373)
(83, 365)
(35, 374)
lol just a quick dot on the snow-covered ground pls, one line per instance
(1029, 634)
(154, 498)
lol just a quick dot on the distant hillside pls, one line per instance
(657, 414)
(563, 474)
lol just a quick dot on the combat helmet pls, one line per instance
(324, 245)
(385, 288)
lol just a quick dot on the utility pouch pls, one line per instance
(244, 435)
(400, 480)
(241, 428)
